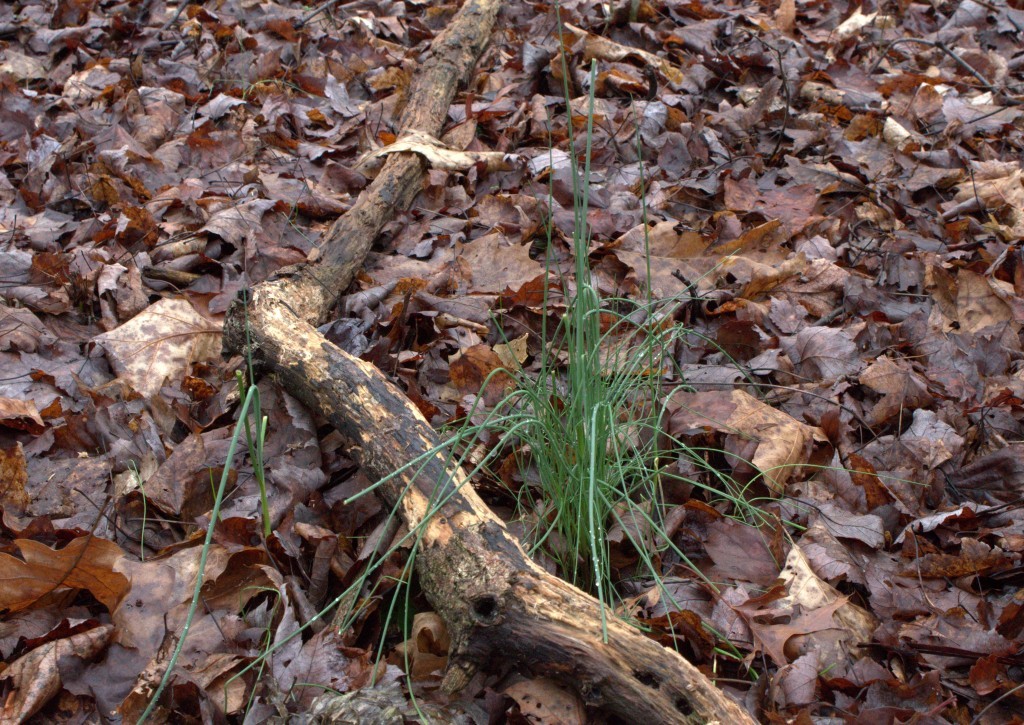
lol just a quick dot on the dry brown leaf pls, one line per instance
(85, 563)
(604, 49)
(160, 343)
(35, 677)
(780, 442)
(544, 702)
(439, 156)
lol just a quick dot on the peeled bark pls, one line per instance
(498, 605)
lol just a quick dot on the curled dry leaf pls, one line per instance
(36, 676)
(426, 651)
(438, 155)
(780, 443)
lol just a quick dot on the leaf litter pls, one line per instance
(829, 196)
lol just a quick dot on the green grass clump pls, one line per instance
(588, 421)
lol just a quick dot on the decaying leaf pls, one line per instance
(156, 347)
(36, 677)
(438, 155)
(773, 442)
(545, 703)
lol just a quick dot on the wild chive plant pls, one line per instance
(255, 436)
(589, 419)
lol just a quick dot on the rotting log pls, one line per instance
(499, 606)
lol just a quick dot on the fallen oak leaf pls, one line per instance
(85, 563)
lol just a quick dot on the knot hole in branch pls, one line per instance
(485, 609)
(684, 707)
(648, 678)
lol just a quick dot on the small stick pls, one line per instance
(174, 18)
(945, 49)
(322, 7)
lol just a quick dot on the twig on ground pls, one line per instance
(322, 7)
(174, 18)
(945, 49)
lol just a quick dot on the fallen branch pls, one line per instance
(498, 604)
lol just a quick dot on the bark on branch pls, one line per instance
(499, 606)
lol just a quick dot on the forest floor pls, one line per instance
(827, 196)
